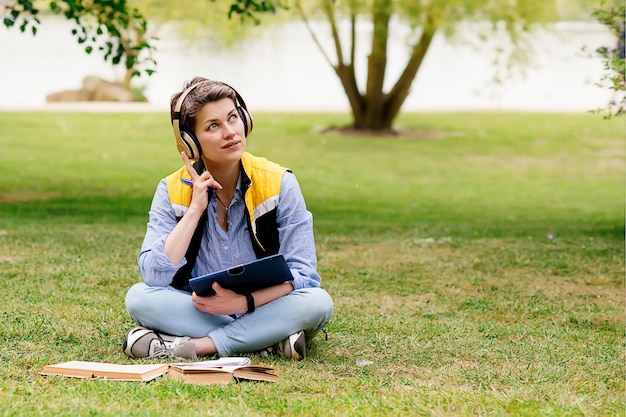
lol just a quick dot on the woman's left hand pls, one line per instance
(223, 302)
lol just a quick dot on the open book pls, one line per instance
(221, 370)
(94, 370)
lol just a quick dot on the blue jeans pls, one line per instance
(168, 310)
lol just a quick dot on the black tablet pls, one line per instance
(261, 273)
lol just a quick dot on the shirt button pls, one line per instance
(225, 247)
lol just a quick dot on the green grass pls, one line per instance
(479, 271)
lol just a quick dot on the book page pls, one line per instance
(212, 364)
(256, 373)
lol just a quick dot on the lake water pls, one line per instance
(282, 68)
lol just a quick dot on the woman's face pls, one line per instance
(220, 131)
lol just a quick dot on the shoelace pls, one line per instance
(163, 351)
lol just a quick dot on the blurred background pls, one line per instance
(278, 66)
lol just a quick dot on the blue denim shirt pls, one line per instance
(221, 250)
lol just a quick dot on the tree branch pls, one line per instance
(353, 14)
(401, 89)
(305, 19)
(330, 13)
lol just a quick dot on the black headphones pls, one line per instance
(187, 141)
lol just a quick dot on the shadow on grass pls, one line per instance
(87, 209)
(358, 222)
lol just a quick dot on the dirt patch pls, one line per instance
(455, 268)
(28, 195)
(408, 134)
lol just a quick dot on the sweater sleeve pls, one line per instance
(295, 231)
(154, 265)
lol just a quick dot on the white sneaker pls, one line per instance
(293, 347)
(145, 343)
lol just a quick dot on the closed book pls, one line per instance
(99, 370)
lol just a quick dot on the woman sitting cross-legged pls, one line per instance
(228, 208)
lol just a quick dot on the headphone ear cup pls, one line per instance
(189, 145)
(248, 124)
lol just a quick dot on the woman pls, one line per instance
(253, 208)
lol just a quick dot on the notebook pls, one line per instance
(261, 273)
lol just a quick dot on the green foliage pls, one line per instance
(372, 107)
(582, 9)
(109, 26)
(375, 107)
(220, 22)
(11, 14)
(614, 18)
(476, 264)
(248, 8)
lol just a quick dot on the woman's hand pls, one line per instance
(178, 240)
(201, 183)
(223, 302)
(226, 302)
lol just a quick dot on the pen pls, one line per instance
(189, 182)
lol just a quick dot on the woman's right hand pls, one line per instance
(201, 183)
(178, 240)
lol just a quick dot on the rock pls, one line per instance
(107, 91)
(67, 95)
(91, 83)
(94, 89)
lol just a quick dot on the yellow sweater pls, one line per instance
(261, 181)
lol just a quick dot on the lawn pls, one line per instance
(477, 270)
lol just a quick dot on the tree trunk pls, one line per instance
(374, 110)
(377, 62)
(379, 109)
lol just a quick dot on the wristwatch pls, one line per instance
(250, 300)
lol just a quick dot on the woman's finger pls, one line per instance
(212, 182)
(206, 176)
(190, 169)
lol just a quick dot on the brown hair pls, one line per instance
(206, 91)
